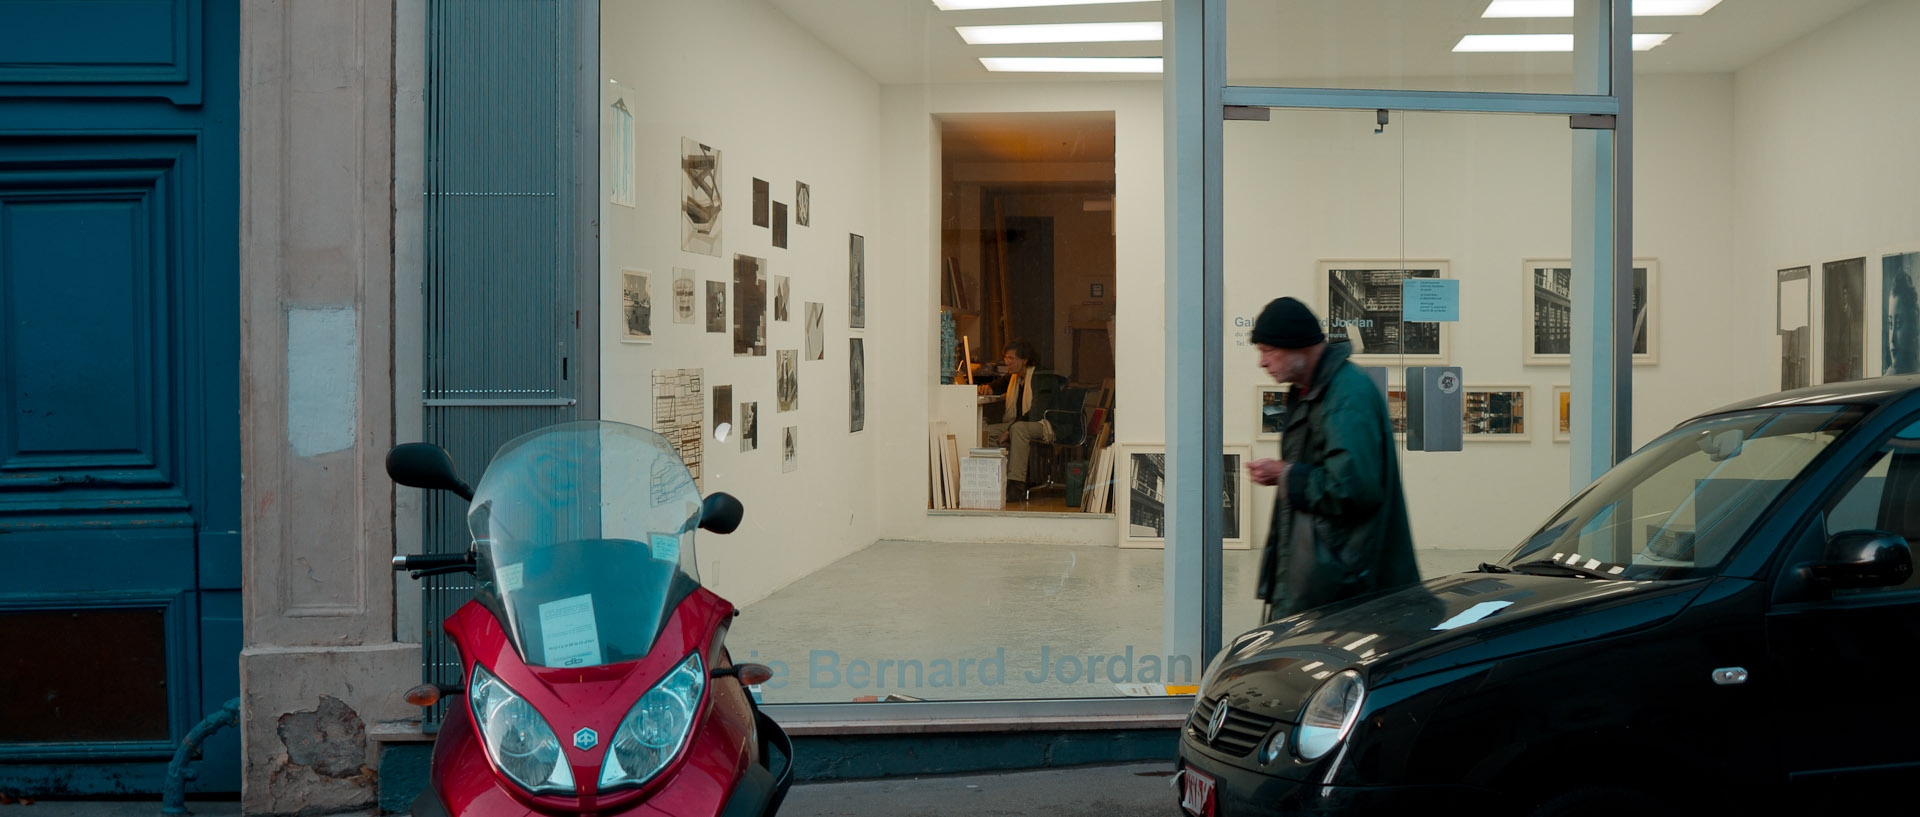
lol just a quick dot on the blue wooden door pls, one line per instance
(120, 623)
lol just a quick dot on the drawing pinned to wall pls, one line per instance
(749, 306)
(1793, 310)
(620, 162)
(722, 409)
(699, 198)
(1844, 320)
(749, 430)
(789, 449)
(856, 281)
(1900, 301)
(802, 204)
(636, 305)
(857, 383)
(782, 296)
(787, 379)
(684, 295)
(679, 409)
(716, 306)
(816, 331)
(1269, 410)
(780, 225)
(762, 196)
(1546, 303)
(1360, 300)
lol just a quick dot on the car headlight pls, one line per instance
(1329, 715)
(517, 738)
(655, 728)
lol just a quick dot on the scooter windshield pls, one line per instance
(583, 536)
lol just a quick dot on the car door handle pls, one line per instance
(1729, 676)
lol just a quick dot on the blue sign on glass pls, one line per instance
(1429, 300)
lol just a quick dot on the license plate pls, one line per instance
(1198, 797)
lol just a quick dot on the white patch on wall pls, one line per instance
(323, 380)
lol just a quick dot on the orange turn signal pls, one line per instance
(424, 695)
(751, 674)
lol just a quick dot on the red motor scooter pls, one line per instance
(597, 675)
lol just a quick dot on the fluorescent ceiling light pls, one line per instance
(1564, 8)
(1060, 33)
(969, 5)
(1074, 65)
(1541, 42)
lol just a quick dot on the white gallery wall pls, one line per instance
(783, 108)
(1827, 168)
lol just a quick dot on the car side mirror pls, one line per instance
(425, 465)
(1862, 558)
(720, 512)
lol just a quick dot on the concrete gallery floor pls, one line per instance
(951, 621)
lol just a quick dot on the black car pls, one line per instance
(1727, 618)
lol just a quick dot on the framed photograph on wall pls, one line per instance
(1361, 300)
(1397, 409)
(1793, 319)
(1899, 335)
(1843, 318)
(1497, 413)
(1140, 490)
(1563, 414)
(1546, 311)
(1269, 410)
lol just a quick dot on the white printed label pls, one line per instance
(568, 632)
(512, 577)
(666, 547)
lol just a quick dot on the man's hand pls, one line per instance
(1268, 472)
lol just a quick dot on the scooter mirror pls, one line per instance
(720, 512)
(425, 465)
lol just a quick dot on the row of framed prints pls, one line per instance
(1361, 300)
(1834, 315)
(1492, 413)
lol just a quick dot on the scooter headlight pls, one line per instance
(655, 728)
(517, 738)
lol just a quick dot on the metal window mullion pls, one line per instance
(1450, 101)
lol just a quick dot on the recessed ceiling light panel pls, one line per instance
(1061, 33)
(970, 5)
(1515, 43)
(1564, 8)
(1074, 65)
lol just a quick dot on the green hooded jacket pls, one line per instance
(1345, 484)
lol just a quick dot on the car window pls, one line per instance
(1885, 497)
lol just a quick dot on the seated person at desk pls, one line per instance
(1029, 393)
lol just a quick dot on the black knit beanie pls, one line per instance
(1287, 324)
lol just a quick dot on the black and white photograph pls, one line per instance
(857, 384)
(782, 297)
(1547, 299)
(636, 305)
(1793, 309)
(716, 306)
(1900, 303)
(1362, 303)
(816, 331)
(685, 295)
(1141, 508)
(780, 225)
(1269, 410)
(856, 281)
(749, 306)
(789, 448)
(749, 429)
(1843, 318)
(787, 379)
(802, 204)
(722, 409)
(1496, 413)
(679, 413)
(762, 197)
(699, 198)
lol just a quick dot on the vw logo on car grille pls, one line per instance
(1214, 723)
(586, 739)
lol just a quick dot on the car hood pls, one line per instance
(1440, 624)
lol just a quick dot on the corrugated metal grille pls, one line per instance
(502, 261)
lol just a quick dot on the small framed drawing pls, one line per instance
(1397, 410)
(1269, 410)
(1361, 300)
(1546, 309)
(1141, 495)
(1497, 413)
(1563, 414)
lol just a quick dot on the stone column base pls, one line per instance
(305, 716)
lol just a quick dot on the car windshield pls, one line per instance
(583, 535)
(1677, 508)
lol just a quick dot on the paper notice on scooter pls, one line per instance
(666, 547)
(568, 631)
